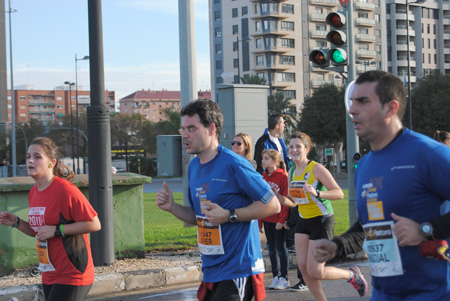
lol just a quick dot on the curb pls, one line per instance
(117, 282)
(138, 280)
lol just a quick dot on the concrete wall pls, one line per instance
(18, 250)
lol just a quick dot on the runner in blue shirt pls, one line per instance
(400, 188)
(226, 197)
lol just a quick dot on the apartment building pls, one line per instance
(51, 105)
(153, 104)
(273, 39)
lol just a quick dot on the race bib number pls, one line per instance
(209, 237)
(42, 252)
(297, 193)
(382, 249)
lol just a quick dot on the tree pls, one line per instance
(323, 116)
(124, 129)
(254, 80)
(278, 105)
(430, 104)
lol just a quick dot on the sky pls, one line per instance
(140, 44)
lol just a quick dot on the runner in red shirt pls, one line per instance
(59, 217)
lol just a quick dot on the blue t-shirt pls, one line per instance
(230, 181)
(410, 177)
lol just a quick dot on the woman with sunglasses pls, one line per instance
(242, 145)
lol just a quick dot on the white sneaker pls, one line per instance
(274, 282)
(282, 284)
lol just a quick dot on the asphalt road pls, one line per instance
(337, 290)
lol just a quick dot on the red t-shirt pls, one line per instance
(63, 203)
(278, 181)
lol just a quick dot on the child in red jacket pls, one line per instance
(275, 174)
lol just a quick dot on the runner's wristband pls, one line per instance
(62, 231)
(17, 223)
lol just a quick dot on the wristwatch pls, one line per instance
(233, 216)
(58, 232)
(318, 193)
(426, 229)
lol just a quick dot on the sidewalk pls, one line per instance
(137, 280)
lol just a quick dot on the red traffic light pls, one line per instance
(336, 19)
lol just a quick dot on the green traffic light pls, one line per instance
(338, 57)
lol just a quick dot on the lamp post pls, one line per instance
(13, 110)
(71, 119)
(238, 59)
(408, 59)
(85, 58)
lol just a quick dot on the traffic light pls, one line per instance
(356, 158)
(319, 58)
(337, 36)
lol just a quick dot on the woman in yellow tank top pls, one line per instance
(311, 187)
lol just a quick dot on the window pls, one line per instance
(218, 32)
(435, 58)
(218, 48)
(434, 43)
(72, 98)
(235, 46)
(218, 64)
(244, 10)
(236, 63)
(285, 25)
(270, 25)
(257, 26)
(429, 43)
(217, 15)
(287, 60)
(363, 30)
(321, 44)
(234, 12)
(289, 43)
(270, 42)
(235, 29)
(428, 28)
(259, 60)
(377, 18)
(236, 79)
(288, 93)
(429, 58)
(59, 98)
(23, 115)
(287, 8)
(23, 106)
(59, 106)
(259, 43)
(363, 15)
(22, 98)
(286, 77)
(261, 75)
(219, 80)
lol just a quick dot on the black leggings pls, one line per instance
(58, 292)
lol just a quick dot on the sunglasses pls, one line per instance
(239, 143)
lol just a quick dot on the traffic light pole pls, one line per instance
(352, 139)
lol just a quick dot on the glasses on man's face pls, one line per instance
(239, 143)
(190, 129)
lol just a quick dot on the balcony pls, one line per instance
(404, 47)
(317, 83)
(365, 22)
(401, 15)
(364, 6)
(317, 17)
(367, 54)
(365, 37)
(331, 3)
(318, 34)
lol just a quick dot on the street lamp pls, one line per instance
(13, 110)
(238, 59)
(408, 58)
(71, 119)
(85, 58)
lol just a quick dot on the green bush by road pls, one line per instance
(164, 232)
